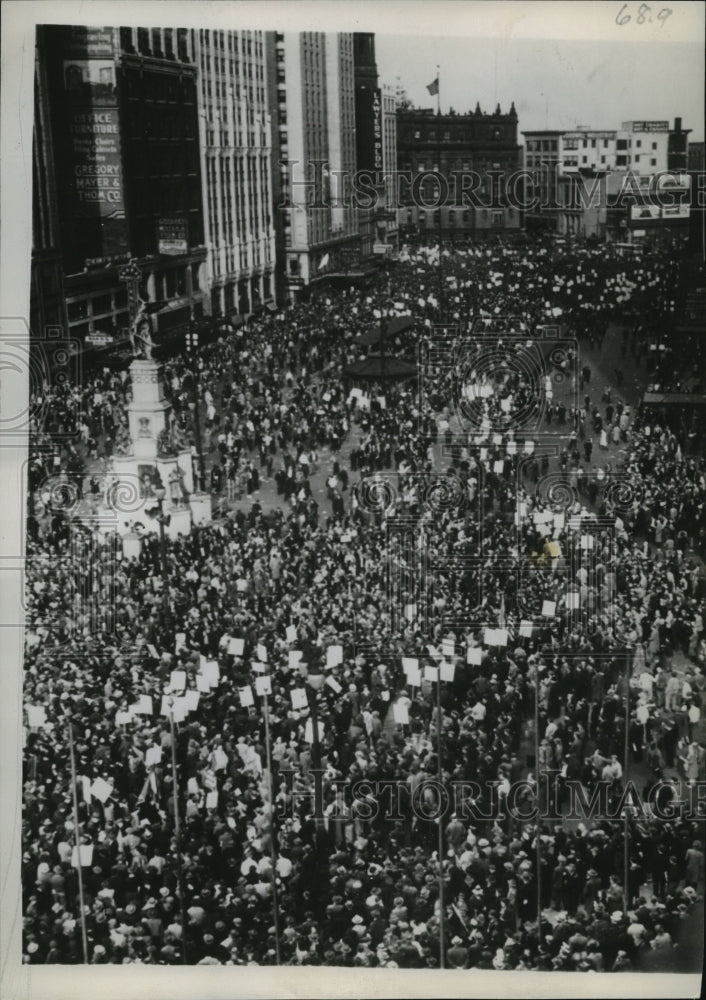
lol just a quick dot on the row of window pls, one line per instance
(458, 135)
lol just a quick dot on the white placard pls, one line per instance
(261, 652)
(101, 790)
(293, 658)
(309, 731)
(334, 685)
(263, 686)
(202, 684)
(414, 677)
(431, 673)
(180, 709)
(236, 647)
(448, 671)
(548, 609)
(191, 700)
(292, 633)
(246, 697)
(258, 668)
(410, 612)
(86, 856)
(409, 663)
(144, 705)
(499, 465)
(212, 672)
(448, 649)
(334, 656)
(586, 542)
(299, 699)
(474, 655)
(153, 756)
(572, 600)
(212, 799)
(526, 630)
(36, 716)
(177, 680)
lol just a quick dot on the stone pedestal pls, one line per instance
(143, 471)
(201, 511)
(148, 412)
(180, 523)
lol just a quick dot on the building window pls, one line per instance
(638, 143)
(605, 144)
(77, 310)
(593, 143)
(654, 145)
(603, 159)
(637, 158)
(622, 144)
(653, 163)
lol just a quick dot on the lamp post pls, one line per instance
(273, 857)
(315, 682)
(177, 831)
(442, 955)
(162, 520)
(192, 341)
(79, 862)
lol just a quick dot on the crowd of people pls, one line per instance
(483, 610)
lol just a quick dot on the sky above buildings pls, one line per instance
(554, 83)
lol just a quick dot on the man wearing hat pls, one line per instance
(457, 955)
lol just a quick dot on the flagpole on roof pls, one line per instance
(438, 90)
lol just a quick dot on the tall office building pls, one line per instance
(454, 145)
(313, 115)
(236, 168)
(387, 225)
(47, 303)
(116, 118)
(368, 128)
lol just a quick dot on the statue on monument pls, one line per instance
(141, 333)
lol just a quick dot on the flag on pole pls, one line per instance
(433, 87)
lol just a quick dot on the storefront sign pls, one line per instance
(643, 126)
(172, 236)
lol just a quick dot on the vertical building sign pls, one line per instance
(89, 86)
(377, 131)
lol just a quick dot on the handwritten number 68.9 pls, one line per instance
(644, 14)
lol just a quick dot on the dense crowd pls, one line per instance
(568, 588)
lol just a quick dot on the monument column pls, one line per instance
(148, 411)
